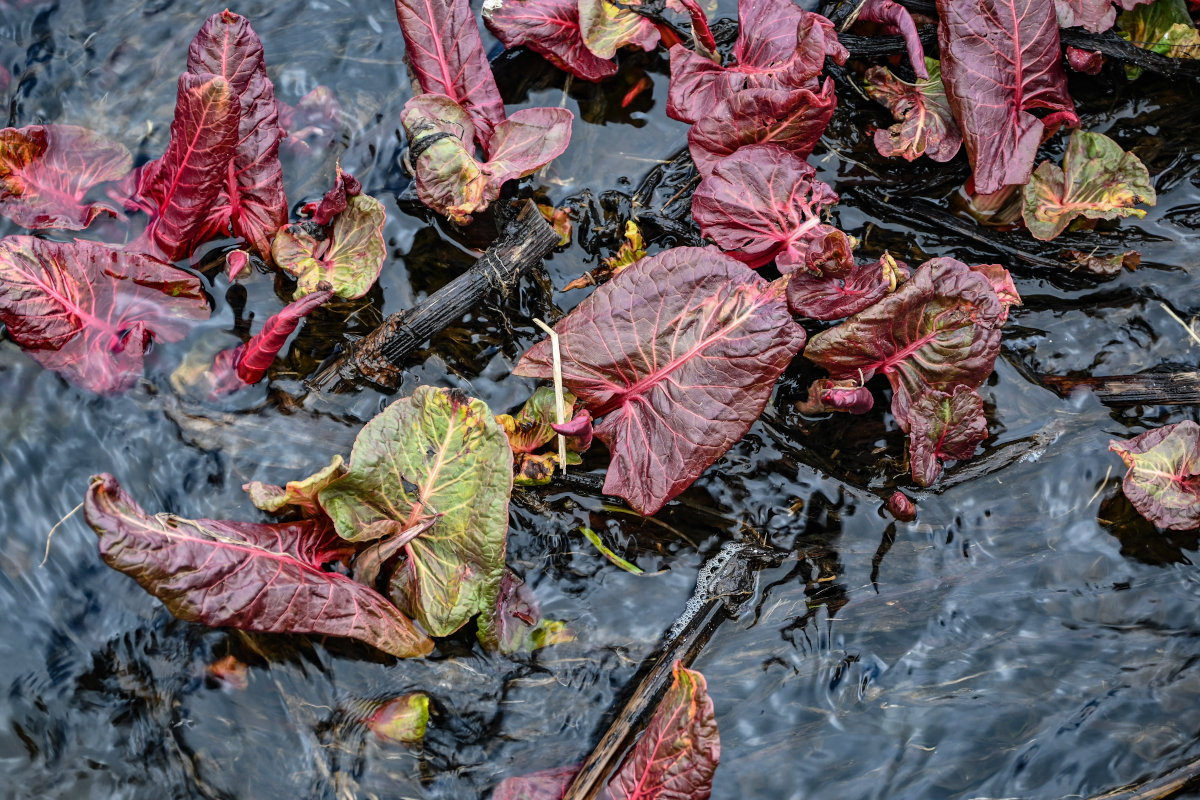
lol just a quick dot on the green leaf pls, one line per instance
(594, 538)
(1162, 27)
(1163, 481)
(436, 452)
(1098, 180)
(350, 257)
(402, 719)
(606, 27)
(515, 624)
(530, 431)
(301, 494)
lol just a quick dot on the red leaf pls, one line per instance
(1000, 59)
(702, 35)
(844, 395)
(89, 311)
(549, 27)
(254, 201)
(335, 200)
(838, 293)
(1089, 62)
(779, 46)
(182, 188)
(1163, 480)
(676, 756)
(45, 171)
(943, 427)
(247, 575)
(763, 203)
(1094, 15)
(446, 53)
(925, 125)
(247, 363)
(794, 119)
(896, 19)
(678, 369)
(901, 506)
(314, 123)
(547, 784)
(938, 331)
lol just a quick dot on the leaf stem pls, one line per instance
(560, 410)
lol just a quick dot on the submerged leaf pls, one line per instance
(944, 427)
(436, 452)
(549, 27)
(247, 575)
(826, 395)
(348, 255)
(441, 40)
(1098, 180)
(1001, 59)
(254, 202)
(925, 125)
(763, 203)
(676, 371)
(901, 506)
(678, 753)
(515, 624)
(183, 188)
(940, 330)
(45, 171)
(1163, 480)
(793, 119)
(606, 551)
(89, 311)
(546, 784)
(301, 494)
(402, 719)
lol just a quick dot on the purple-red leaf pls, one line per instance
(702, 35)
(838, 293)
(779, 46)
(943, 427)
(925, 125)
(446, 53)
(313, 123)
(247, 575)
(1163, 480)
(843, 395)
(678, 753)
(763, 203)
(546, 784)
(549, 27)
(182, 188)
(89, 311)
(791, 118)
(940, 330)
(1089, 62)
(247, 363)
(254, 202)
(1094, 15)
(45, 171)
(896, 19)
(676, 370)
(901, 506)
(335, 200)
(1000, 60)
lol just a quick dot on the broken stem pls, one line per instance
(560, 406)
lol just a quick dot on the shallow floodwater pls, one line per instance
(1027, 637)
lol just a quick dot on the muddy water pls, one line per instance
(1027, 637)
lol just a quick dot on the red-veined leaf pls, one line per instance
(939, 330)
(440, 453)
(678, 753)
(549, 27)
(313, 123)
(779, 46)
(794, 119)
(900, 506)
(547, 784)
(446, 53)
(183, 187)
(1001, 59)
(1163, 480)
(247, 575)
(247, 363)
(943, 427)
(763, 203)
(896, 19)
(925, 125)
(254, 202)
(1094, 15)
(702, 35)
(847, 395)
(1098, 180)
(676, 370)
(837, 293)
(336, 199)
(45, 171)
(89, 311)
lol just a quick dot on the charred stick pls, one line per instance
(1148, 388)
(378, 355)
(724, 589)
(1160, 788)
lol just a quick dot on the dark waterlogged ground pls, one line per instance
(1028, 637)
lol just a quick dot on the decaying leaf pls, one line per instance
(347, 255)
(402, 719)
(300, 495)
(1098, 180)
(1163, 480)
(925, 124)
(515, 624)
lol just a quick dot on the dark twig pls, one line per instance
(1161, 788)
(1147, 388)
(378, 355)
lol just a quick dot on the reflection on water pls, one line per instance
(1028, 637)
